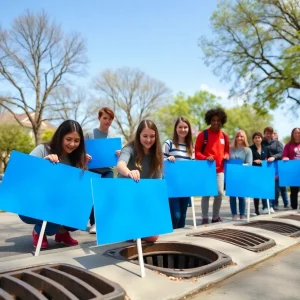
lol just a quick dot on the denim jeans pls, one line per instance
(108, 174)
(242, 205)
(51, 228)
(178, 208)
(283, 192)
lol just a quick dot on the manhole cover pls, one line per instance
(57, 282)
(290, 217)
(175, 259)
(248, 240)
(278, 227)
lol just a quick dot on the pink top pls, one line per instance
(292, 151)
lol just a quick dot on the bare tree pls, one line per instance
(65, 104)
(35, 57)
(133, 95)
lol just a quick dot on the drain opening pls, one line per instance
(174, 259)
(247, 240)
(290, 217)
(278, 227)
(60, 281)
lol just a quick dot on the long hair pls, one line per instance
(234, 143)
(76, 157)
(155, 152)
(188, 139)
(292, 140)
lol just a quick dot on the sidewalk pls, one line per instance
(16, 248)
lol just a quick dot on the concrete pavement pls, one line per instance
(276, 279)
(16, 248)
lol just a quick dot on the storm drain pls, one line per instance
(248, 240)
(57, 282)
(278, 227)
(175, 259)
(291, 217)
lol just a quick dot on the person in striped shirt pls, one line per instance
(180, 147)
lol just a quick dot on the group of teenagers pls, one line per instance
(143, 158)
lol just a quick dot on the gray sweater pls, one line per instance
(244, 154)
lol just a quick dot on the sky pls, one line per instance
(159, 37)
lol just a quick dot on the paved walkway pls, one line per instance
(276, 279)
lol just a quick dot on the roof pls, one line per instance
(8, 118)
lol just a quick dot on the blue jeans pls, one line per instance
(283, 192)
(178, 208)
(108, 174)
(242, 205)
(51, 228)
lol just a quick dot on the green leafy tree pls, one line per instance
(286, 139)
(13, 137)
(47, 135)
(191, 107)
(246, 118)
(257, 43)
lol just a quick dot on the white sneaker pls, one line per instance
(272, 210)
(93, 229)
(265, 211)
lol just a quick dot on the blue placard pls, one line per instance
(232, 162)
(35, 187)
(103, 152)
(125, 209)
(273, 164)
(191, 178)
(250, 181)
(289, 173)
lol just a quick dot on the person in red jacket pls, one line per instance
(213, 144)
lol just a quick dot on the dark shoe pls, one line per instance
(204, 221)
(218, 219)
(35, 237)
(65, 238)
(257, 212)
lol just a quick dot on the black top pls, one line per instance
(274, 148)
(256, 155)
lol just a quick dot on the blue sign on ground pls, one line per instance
(103, 152)
(289, 173)
(35, 187)
(191, 178)
(250, 181)
(125, 209)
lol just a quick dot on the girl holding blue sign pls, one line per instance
(105, 117)
(240, 150)
(142, 158)
(180, 147)
(66, 147)
(292, 151)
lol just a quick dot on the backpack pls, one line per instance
(206, 140)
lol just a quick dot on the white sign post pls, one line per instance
(193, 212)
(39, 244)
(141, 258)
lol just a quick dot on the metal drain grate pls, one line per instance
(175, 259)
(248, 240)
(278, 227)
(57, 282)
(290, 217)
